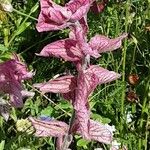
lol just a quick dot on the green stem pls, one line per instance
(144, 107)
(124, 65)
(48, 37)
(147, 132)
(27, 17)
(23, 14)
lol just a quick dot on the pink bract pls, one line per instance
(97, 131)
(86, 83)
(49, 128)
(102, 43)
(56, 17)
(66, 49)
(62, 84)
(12, 72)
(76, 47)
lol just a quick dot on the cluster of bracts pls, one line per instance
(74, 88)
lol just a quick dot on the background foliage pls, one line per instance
(110, 103)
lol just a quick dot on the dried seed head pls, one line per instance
(133, 79)
(131, 96)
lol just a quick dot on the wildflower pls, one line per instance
(76, 47)
(56, 17)
(87, 82)
(115, 145)
(132, 97)
(76, 89)
(12, 73)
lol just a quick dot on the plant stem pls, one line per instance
(48, 99)
(23, 14)
(68, 138)
(27, 16)
(123, 67)
(144, 109)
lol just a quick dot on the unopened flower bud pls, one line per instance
(132, 96)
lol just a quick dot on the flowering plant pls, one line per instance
(12, 73)
(74, 88)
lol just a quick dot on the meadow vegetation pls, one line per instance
(123, 103)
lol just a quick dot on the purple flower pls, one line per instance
(77, 47)
(12, 73)
(56, 17)
(86, 83)
(78, 91)
(45, 118)
(98, 7)
(53, 128)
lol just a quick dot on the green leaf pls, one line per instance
(64, 105)
(82, 143)
(101, 119)
(5, 57)
(96, 117)
(34, 8)
(3, 48)
(106, 120)
(22, 28)
(2, 145)
(13, 114)
(47, 111)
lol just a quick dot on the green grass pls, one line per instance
(108, 102)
